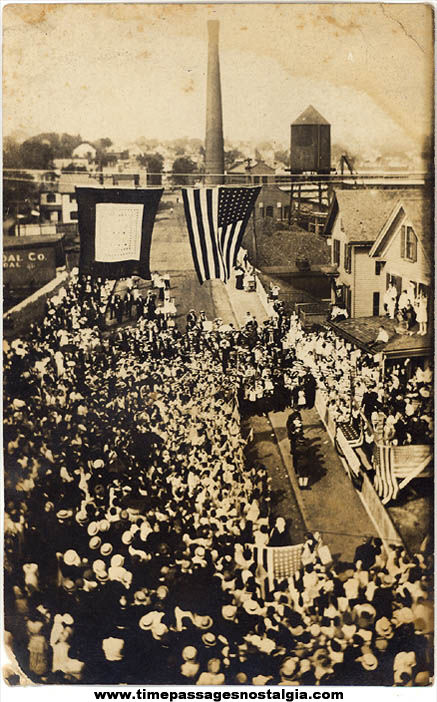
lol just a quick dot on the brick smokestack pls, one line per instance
(214, 148)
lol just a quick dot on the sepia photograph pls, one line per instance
(218, 349)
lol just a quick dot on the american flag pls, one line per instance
(396, 466)
(216, 221)
(277, 562)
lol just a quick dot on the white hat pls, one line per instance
(104, 525)
(99, 566)
(93, 528)
(126, 537)
(71, 558)
(229, 611)
(106, 549)
(189, 653)
(146, 622)
(95, 542)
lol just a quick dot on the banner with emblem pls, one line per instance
(115, 228)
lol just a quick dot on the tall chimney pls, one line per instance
(214, 148)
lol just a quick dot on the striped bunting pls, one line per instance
(398, 463)
(385, 482)
(216, 221)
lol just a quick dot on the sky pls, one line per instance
(125, 71)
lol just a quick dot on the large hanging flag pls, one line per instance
(115, 228)
(216, 221)
(396, 466)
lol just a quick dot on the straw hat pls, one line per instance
(104, 525)
(140, 597)
(106, 549)
(288, 667)
(71, 558)
(229, 611)
(95, 542)
(64, 514)
(99, 566)
(383, 627)
(146, 622)
(189, 653)
(93, 529)
(251, 607)
(126, 538)
(209, 639)
(102, 576)
(368, 661)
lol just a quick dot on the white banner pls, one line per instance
(118, 232)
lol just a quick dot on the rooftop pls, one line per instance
(22, 242)
(69, 181)
(310, 116)
(365, 212)
(362, 331)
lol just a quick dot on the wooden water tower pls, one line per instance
(310, 150)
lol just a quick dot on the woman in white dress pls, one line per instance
(421, 314)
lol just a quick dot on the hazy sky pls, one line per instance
(126, 71)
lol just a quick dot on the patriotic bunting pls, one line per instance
(396, 466)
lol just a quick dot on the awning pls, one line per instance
(362, 332)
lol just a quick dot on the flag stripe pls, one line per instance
(216, 253)
(190, 228)
(214, 220)
(203, 241)
(385, 482)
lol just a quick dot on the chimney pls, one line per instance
(214, 148)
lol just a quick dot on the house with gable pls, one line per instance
(403, 248)
(379, 237)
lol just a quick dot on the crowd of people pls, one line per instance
(396, 408)
(408, 307)
(134, 522)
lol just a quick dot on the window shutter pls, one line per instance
(347, 258)
(413, 246)
(403, 241)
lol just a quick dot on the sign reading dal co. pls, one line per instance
(28, 259)
(29, 262)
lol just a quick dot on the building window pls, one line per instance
(269, 211)
(72, 197)
(375, 305)
(379, 265)
(51, 197)
(264, 179)
(347, 258)
(73, 215)
(408, 244)
(336, 252)
(256, 179)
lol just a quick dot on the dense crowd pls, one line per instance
(134, 523)
(395, 408)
